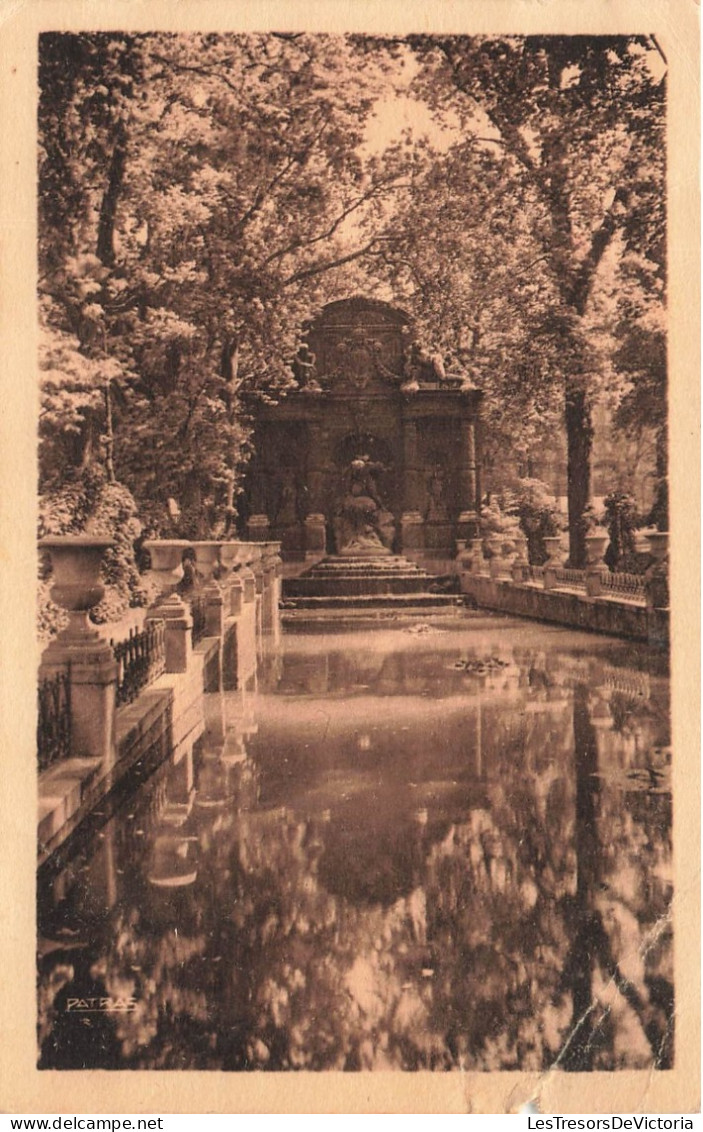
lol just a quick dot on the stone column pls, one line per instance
(411, 525)
(178, 632)
(467, 523)
(77, 588)
(214, 611)
(315, 536)
(233, 585)
(316, 470)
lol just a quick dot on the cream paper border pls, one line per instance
(23, 1089)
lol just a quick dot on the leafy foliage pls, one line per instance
(193, 195)
(574, 124)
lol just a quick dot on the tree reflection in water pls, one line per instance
(417, 854)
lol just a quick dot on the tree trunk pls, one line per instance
(659, 515)
(109, 435)
(111, 196)
(579, 440)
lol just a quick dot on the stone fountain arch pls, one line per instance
(363, 378)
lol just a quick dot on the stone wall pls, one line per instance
(634, 619)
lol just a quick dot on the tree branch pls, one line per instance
(319, 268)
(295, 245)
(582, 281)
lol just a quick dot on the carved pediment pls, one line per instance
(358, 346)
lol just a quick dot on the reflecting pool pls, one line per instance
(434, 847)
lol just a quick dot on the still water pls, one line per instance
(431, 847)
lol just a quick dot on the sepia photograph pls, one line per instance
(352, 473)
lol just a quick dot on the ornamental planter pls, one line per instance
(521, 551)
(658, 545)
(495, 565)
(77, 588)
(478, 561)
(552, 545)
(520, 569)
(166, 562)
(207, 558)
(596, 544)
(231, 556)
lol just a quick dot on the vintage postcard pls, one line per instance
(350, 525)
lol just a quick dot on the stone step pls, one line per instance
(330, 569)
(366, 572)
(341, 582)
(402, 601)
(346, 586)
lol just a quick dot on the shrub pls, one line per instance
(621, 519)
(539, 517)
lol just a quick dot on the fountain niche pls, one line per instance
(374, 454)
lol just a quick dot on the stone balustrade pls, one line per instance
(631, 605)
(238, 583)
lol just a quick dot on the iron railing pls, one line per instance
(54, 719)
(630, 586)
(537, 574)
(141, 659)
(570, 579)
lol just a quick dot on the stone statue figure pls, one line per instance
(362, 524)
(436, 510)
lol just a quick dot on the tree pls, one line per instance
(196, 200)
(461, 256)
(575, 119)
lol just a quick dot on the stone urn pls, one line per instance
(77, 587)
(508, 545)
(207, 558)
(477, 560)
(658, 545)
(231, 556)
(552, 545)
(495, 546)
(166, 562)
(521, 558)
(596, 543)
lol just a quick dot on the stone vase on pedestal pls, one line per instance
(77, 588)
(596, 544)
(207, 559)
(76, 561)
(552, 544)
(495, 564)
(520, 568)
(658, 545)
(166, 562)
(478, 562)
(230, 556)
